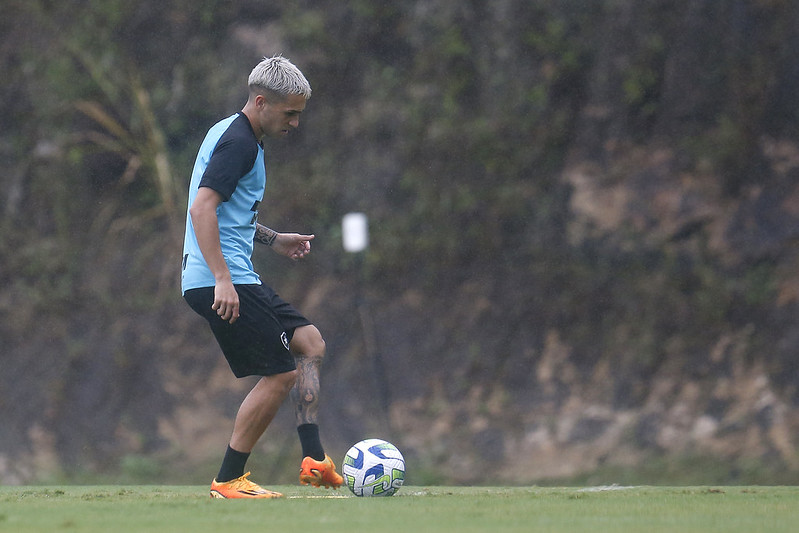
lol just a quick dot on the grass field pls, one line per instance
(413, 509)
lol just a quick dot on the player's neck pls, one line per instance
(250, 113)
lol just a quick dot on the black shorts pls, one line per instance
(257, 343)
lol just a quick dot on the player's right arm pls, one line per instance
(206, 229)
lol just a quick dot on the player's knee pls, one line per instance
(319, 346)
(308, 341)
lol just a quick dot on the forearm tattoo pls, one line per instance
(305, 394)
(264, 235)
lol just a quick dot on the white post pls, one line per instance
(355, 237)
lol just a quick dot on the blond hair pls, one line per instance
(280, 77)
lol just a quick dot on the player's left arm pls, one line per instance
(292, 245)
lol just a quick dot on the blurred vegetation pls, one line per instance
(452, 125)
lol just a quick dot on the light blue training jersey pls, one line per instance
(230, 161)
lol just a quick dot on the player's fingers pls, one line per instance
(226, 311)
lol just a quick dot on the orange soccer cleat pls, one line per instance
(320, 473)
(241, 487)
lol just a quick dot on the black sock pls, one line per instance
(232, 465)
(309, 440)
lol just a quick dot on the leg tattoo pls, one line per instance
(305, 393)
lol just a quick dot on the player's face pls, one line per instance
(277, 119)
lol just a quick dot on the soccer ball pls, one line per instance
(373, 467)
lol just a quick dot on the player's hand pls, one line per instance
(293, 245)
(226, 301)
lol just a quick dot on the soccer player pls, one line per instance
(259, 333)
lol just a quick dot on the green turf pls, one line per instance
(413, 509)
